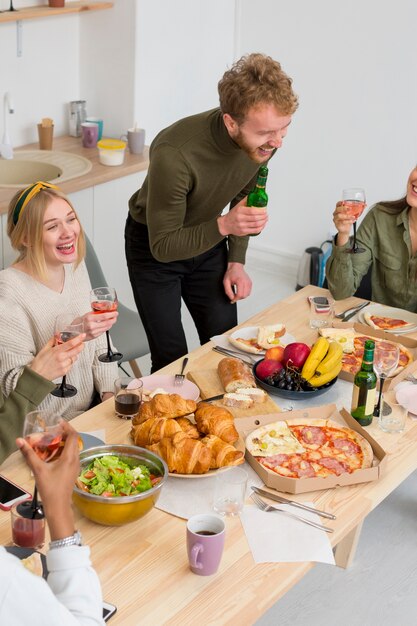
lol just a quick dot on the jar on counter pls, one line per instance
(77, 115)
(111, 151)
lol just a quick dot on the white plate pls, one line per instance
(251, 332)
(187, 390)
(389, 311)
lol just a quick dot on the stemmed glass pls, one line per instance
(386, 358)
(43, 431)
(104, 300)
(354, 202)
(11, 8)
(66, 328)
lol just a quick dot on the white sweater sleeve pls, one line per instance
(71, 597)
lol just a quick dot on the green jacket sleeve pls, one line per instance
(29, 392)
(344, 271)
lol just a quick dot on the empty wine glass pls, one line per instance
(104, 300)
(66, 328)
(354, 202)
(42, 429)
(386, 357)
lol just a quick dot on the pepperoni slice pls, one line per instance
(273, 461)
(313, 435)
(333, 465)
(347, 446)
(303, 469)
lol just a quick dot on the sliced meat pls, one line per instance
(313, 435)
(333, 465)
(346, 445)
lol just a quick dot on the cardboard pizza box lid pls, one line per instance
(246, 425)
(374, 333)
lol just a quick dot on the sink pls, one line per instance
(29, 166)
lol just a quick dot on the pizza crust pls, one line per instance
(245, 344)
(370, 322)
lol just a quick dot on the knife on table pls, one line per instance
(282, 500)
(359, 308)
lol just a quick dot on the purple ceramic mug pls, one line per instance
(89, 132)
(205, 543)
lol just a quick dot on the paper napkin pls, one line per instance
(275, 537)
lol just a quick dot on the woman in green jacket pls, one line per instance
(388, 233)
(32, 387)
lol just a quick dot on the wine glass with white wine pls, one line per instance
(354, 203)
(386, 357)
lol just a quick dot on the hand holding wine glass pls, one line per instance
(104, 300)
(386, 359)
(66, 328)
(354, 203)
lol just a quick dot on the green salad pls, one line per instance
(109, 476)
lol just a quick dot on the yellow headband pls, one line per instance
(27, 195)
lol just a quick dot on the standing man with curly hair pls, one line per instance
(178, 243)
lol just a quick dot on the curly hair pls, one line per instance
(255, 79)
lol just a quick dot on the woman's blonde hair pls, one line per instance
(26, 236)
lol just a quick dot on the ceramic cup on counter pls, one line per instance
(205, 543)
(99, 122)
(89, 134)
(135, 140)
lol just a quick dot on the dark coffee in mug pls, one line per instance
(206, 532)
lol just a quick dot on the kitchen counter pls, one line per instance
(96, 176)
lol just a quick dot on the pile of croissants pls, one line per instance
(163, 425)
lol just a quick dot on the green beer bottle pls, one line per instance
(364, 388)
(258, 196)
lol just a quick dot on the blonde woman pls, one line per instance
(48, 278)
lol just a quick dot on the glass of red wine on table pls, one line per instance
(354, 203)
(66, 328)
(104, 300)
(42, 429)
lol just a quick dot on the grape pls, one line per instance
(282, 384)
(289, 387)
(288, 378)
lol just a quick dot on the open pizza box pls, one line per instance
(373, 333)
(246, 425)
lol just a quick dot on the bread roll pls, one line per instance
(257, 395)
(235, 374)
(238, 400)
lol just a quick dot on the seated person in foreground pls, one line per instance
(32, 387)
(49, 278)
(388, 233)
(72, 594)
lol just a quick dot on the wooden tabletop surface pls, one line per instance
(143, 566)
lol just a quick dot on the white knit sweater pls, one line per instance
(28, 310)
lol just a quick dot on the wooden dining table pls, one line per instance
(143, 565)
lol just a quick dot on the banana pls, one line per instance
(317, 354)
(318, 380)
(332, 358)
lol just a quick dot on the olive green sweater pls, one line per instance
(195, 171)
(385, 236)
(29, 392)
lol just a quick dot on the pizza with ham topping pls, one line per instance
(314, 448)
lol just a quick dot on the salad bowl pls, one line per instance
(118, 510)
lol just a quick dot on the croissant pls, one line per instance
(222, 454)
(153, 430)
(188, 427)
(183, 455)
(214, 420)
(164, 405)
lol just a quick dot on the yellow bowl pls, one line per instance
(124, 509)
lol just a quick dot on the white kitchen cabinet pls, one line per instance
(110, 213)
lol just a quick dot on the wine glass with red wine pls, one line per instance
(354, 203)
(104, 300)
(42, 429)
(66, 328)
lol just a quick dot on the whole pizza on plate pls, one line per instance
(309, 448)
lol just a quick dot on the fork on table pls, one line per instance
(179, 378)
(269, 509)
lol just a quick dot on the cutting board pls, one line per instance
(209, 384)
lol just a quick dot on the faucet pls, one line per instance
(6, 148)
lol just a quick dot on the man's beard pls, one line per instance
(252, 153)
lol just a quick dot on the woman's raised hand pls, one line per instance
(95, 325)
(54, 361)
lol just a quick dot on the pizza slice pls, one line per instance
(344, 337)
(387, 323)
(272, 439)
